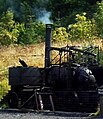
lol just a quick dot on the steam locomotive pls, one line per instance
(68, 82)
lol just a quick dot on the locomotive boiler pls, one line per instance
(68, 81)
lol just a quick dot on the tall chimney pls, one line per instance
(48, 44)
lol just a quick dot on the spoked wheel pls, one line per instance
(13, 100)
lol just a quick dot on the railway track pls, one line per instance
(31, 114)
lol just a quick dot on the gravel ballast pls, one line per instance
(43, 115)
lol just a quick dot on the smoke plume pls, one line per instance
(44, 16)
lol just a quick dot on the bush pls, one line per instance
(8, 29)
(98, 16)
(60, 34)
(83, 29)
(4, 83)
(31, 33)
(21, 33)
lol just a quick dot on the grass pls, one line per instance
(30, 54)
(33, 55)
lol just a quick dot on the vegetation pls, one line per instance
(65, 10)
(83, 29)
(20, 20)
(98, 16)
(12, 32)
(60, 34)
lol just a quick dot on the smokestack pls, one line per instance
(48, 44)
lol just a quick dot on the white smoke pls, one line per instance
(44, 17)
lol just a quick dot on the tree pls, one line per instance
(33, 32)
(83, 29)
(98, 16)
(8, 29)
(65, 10)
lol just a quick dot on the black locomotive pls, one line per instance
(68, 82)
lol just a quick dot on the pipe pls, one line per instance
(48, 44)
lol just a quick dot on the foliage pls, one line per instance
(26, 11)
(101, 56)
(60, 34)
(8, 29)
(62, 9)
(98, 16)
(83, 29)
(33, 32)
(12, 32)
(65, 10)
(27, 30)
(4, 86)
(23, 8)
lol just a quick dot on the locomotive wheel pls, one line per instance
(13, 100)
